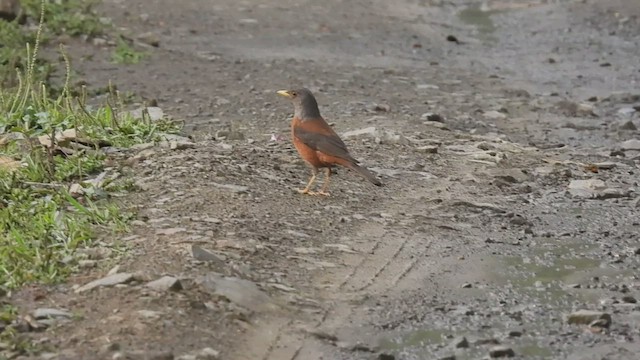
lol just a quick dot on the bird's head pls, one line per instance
(304, 103)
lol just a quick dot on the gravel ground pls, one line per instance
(504, 132)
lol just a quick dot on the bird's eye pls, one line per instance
(293, 93)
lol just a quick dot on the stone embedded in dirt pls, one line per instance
(494, 115)
(432, 117)
(512, 176)
(143, 355)
(149, 38)
(154, 113)
(629, 125)
(9, 9)
(149, 314)
(181, 145)
(365, 132)
(385, 356)
(201, 254)
(629, 299)
(241, 292)
(501, 351)
(170, 231)
(586, 317)
(380, 107)
(341, 247)
(586, 188)
(282, 287)
(626, 111)
(165, 283)
(48, 313)
(427, 87)
(114, 270)
(515, 333)
(572, 109)
(208, 354)
(238, 189)
(433, 149)
(487, 341)
(633, 144)
(466, 286)
(460, 343)
(111, 280)
(380, 136)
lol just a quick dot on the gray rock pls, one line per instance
(170, 231)
(428, 149)
(143, 355)
(494, 115)
(155, 113)
(149, 38)
(427, 87)
(633, 144)
(150, 314)
(186, 357)
(501, 351)
(47, 313)
(380, 136)
(165, 283)
(238, 189)
(586, 317)
(460, 343)
(208, 354)
(181, 145)
(432, 117)
(366, 132)
(111, 280)
(586, 188)
(87, 264)
(385, 356)
(242, 292)
(629, 125)
(626, 111)
(510, 175)
(515, 333)
(9, 9)
(201, 254)
(629, 299)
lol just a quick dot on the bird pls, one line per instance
(316, 142)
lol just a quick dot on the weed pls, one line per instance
(54, 189)
(125, 53)
(72, 17)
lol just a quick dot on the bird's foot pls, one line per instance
(306, 191)
(323, 193)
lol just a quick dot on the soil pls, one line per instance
(516, 208)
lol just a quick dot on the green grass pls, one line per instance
(70, 17)
(42, 221)
(125, 53)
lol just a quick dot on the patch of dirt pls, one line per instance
(475, 233)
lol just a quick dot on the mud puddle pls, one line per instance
(480, 18)
(555, 274)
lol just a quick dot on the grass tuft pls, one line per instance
(55, 189)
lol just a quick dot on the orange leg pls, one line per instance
(314, 174)
(325, 185)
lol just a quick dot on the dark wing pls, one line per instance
(330, 145)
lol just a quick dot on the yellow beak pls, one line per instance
(284, 93)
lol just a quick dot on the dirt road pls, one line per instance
(518, 207)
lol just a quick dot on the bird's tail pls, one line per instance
(365, 173)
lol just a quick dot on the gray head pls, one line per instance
(304, 103)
